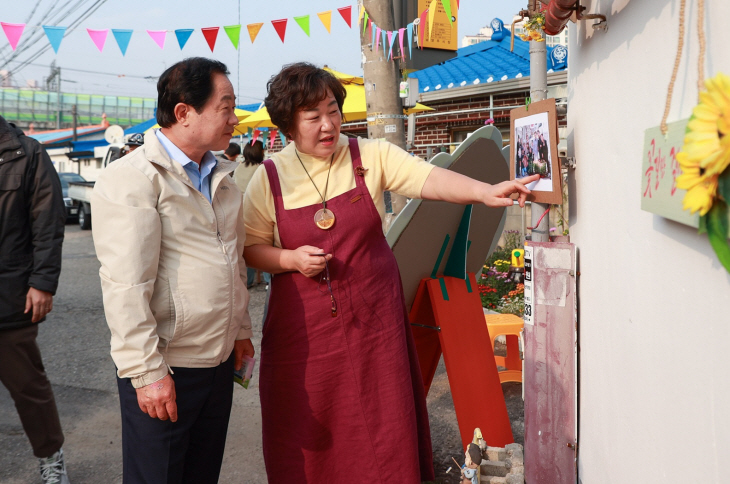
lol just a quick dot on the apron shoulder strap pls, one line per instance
(273, 176)
(357, 167)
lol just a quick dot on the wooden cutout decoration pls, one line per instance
(417, 234)
(526, 125)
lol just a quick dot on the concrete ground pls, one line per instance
(74, 342)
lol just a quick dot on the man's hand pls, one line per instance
(241, 348)
(41, 302)
(158, 399)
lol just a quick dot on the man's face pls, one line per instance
(212, 128)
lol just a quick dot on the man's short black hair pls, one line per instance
(234, 149)
(190, 81)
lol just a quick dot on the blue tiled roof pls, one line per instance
(485, 62)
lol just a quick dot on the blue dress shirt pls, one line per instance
(199, 175)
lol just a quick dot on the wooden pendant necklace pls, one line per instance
(324, 218)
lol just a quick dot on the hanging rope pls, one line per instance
(680, 46)
(701, 34)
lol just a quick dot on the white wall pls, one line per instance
(654, 302)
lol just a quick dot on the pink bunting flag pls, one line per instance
(377, 39)
(370, 28)
(256, 134)
(98, 37)
(273, 137)
(158, 36)
(13, 33)
(401, 33)
(422, 28)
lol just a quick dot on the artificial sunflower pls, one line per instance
(706, 151)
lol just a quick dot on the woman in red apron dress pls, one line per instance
(342, 397)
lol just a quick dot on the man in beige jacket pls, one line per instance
(168, 229)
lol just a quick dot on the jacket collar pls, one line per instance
(9, 136)
(157, 154)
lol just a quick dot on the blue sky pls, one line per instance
(251, 66)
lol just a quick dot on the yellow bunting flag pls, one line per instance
(362, 12)
(326, 18)
(253, 30)
(431, 14)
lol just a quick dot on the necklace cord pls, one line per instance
(324, 198)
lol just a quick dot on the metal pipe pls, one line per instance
(557, 15)
(538, 92)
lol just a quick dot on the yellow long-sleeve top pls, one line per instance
(388, 168)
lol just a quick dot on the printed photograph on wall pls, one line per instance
(534, 151)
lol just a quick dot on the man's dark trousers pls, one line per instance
(23, 374)
(189, 450)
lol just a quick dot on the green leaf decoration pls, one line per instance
(723, 185)
(717, 231)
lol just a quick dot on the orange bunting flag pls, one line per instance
(253, 30)
(326, 18)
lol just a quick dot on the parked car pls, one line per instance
(72, 209)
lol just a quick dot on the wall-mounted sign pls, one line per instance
(659, 172)
(444, 34)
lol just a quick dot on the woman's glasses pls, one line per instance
(325, 276)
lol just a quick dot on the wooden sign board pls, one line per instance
(444, 34)
(659, 172)
(534, 149)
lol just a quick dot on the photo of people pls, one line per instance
(532, 150)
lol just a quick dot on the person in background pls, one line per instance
(339, 369)
(32, 221)
(231, 153)
(132, 143)
(169, 233)
(253, 156)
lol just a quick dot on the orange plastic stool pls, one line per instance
(510, 326)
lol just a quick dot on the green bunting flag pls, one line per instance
(234, 33)
(303, 22)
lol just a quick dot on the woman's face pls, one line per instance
(318, 129)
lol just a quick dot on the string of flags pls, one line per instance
(55, 34)
(388, 38)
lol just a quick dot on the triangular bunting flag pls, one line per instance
(383, 36)
(365, 22)
(457, 4)
(280, 26)
(158, 36)
(183, 35)
(282, 137)
(422, 28)
(447, 9)
(391, 39)
(256, 134)
(370, 27)
(264, 137)
(409, 28)
(362, 12)
(55, 36)
(13, 33)
(273, 138)
(98, 37)
(326, 18)
(374, 37)
(122, 36)
(249, 133)
(211, 33)
(431, 16)
(253, 30)
(346, 13)
(303, 22)
(401, 32)
(377, 39)
(234, 33)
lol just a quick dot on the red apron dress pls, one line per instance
(342, 398)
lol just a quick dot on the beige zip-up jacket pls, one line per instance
(172, 269)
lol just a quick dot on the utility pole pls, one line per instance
(75, 124)
(538, 92)
(382, 79)
(55, 79)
